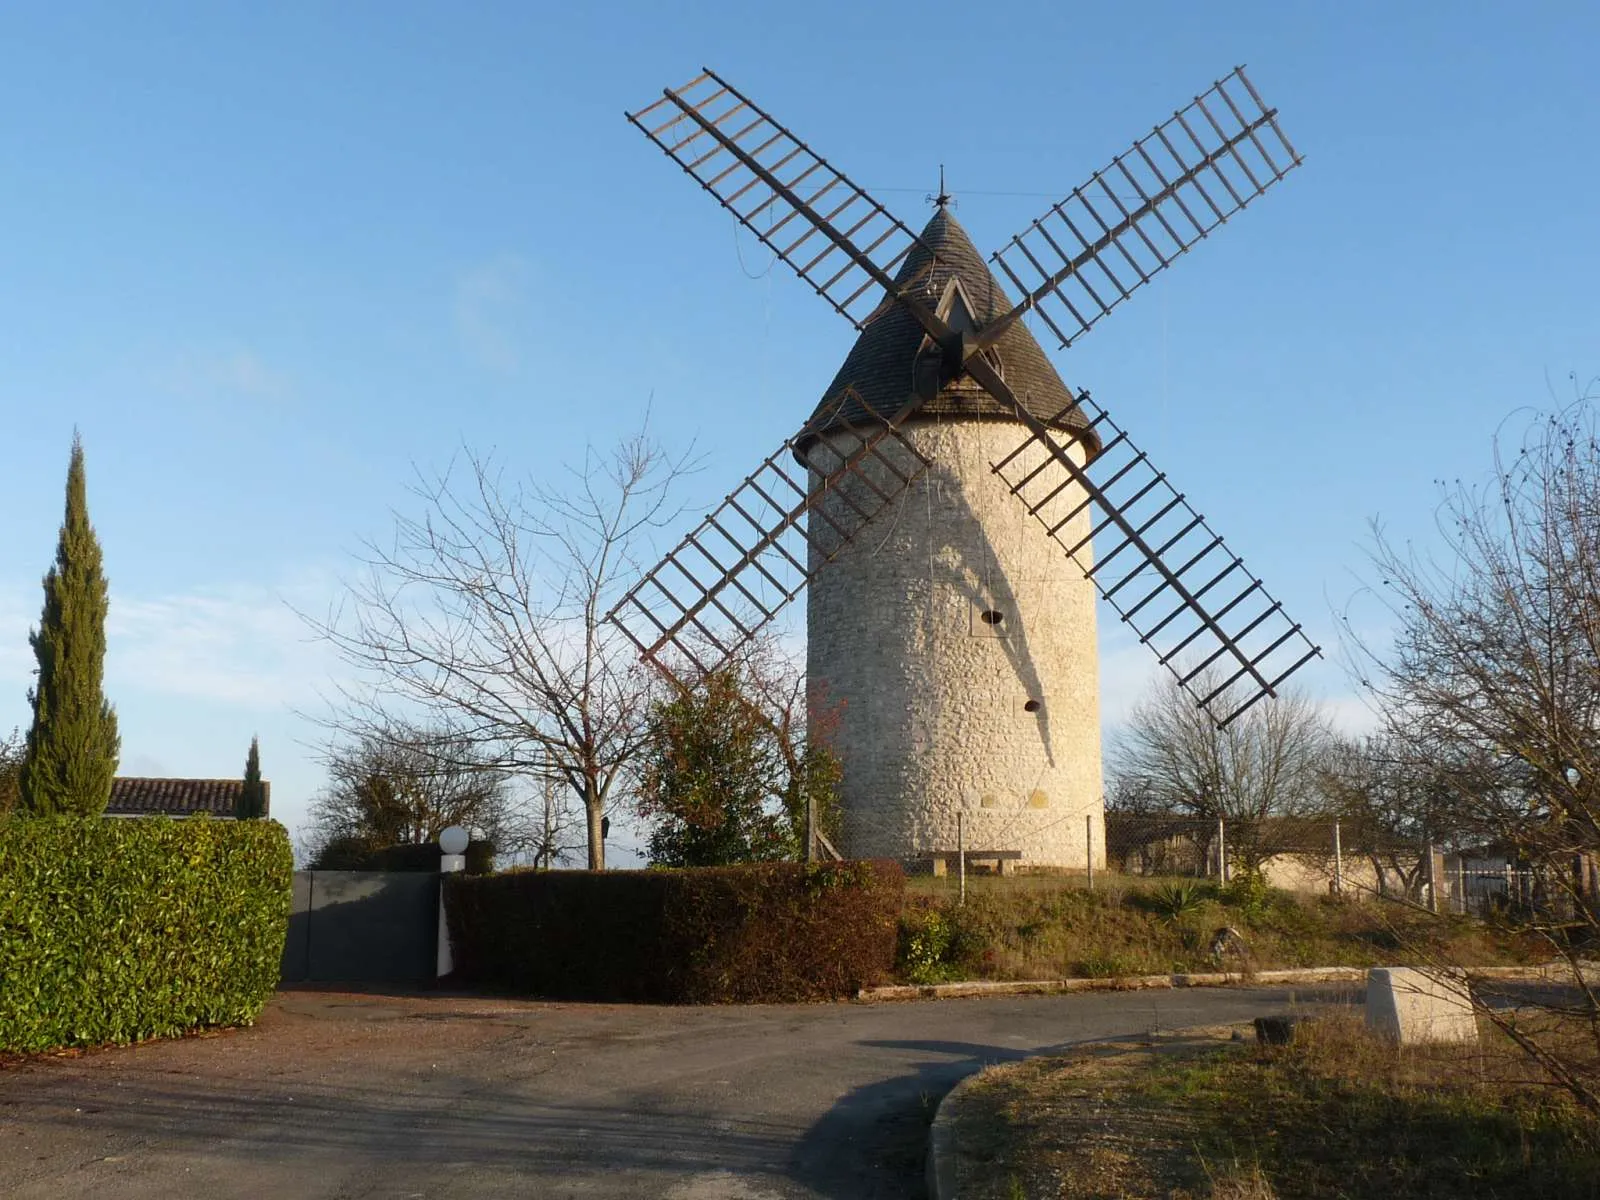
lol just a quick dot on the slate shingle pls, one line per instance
(879, 365)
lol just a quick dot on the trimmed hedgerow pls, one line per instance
(764, 932)
(117, 930)
(353, 854)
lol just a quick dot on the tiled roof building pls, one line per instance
(133, 796)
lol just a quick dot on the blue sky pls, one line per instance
(269, 257)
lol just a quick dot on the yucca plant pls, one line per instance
(1173, 901)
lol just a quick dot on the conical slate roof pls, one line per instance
(879, 365)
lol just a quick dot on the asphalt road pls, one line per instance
(340, 1095)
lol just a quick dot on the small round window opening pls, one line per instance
(992, 616)
(1032, 706)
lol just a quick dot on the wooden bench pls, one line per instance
(1002, 859)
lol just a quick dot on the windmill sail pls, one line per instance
(730, 577)
(831, 233)
(1205, 618)
(1073, 265)
(1176, 184)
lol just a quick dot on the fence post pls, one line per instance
(961, 851)
(1338, 862)
(1088, 846)
(1222, 852)
(811, 826)
(1433, 878)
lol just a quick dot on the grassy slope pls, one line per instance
(1039, 928)
(1336, 1114)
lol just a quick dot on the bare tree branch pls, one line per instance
(486, 612)
(1255, 774)
(1492, 685)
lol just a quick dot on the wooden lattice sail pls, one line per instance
(1157, 562)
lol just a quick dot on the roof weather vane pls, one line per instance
(942, 200)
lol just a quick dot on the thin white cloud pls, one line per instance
(237, 647)
(234, 372)
(240, 644)
(493, 315)
(1350, 714)
(18, 613)
(1128, 671)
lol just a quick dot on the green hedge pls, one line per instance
(353, 854)
(115, 930)
(767, 932)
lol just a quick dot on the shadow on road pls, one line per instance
(872, 1143)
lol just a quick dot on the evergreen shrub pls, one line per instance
(117, 930)
(754, 933)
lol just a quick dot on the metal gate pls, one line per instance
(362, 927)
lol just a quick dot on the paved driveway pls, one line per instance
(340, 1095)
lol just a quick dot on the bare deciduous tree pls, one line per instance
(1254, 774)
(550, 831)
(487, 613)
(1494, 678)
(1391, 806)
(403, 786)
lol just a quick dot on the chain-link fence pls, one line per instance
(1306, 855)
(1309, 856)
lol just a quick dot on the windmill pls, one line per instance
(952, 505)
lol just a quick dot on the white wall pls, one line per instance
(935, 718)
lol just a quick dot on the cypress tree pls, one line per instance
(72, 746)
(253, 796)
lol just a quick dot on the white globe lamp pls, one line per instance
(453, 842)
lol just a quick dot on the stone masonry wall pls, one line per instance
(960, 641)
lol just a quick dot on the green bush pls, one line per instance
(1250, 893)
(939, 943)
(116, 930)
(762, 932)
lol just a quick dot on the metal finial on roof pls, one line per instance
(942, 200)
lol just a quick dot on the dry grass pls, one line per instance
(1039, 927)
(1336, 1114)
(1239, 1181)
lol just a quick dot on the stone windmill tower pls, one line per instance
(960, 641)
(953, 506)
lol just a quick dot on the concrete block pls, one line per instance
(1410, 1006)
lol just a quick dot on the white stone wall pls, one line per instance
(943, 712)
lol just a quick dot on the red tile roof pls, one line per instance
(132, 796)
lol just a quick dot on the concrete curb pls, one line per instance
(1024, 987)
(941, 1166)
(940, 1170)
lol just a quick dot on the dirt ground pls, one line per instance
(344, 1095)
